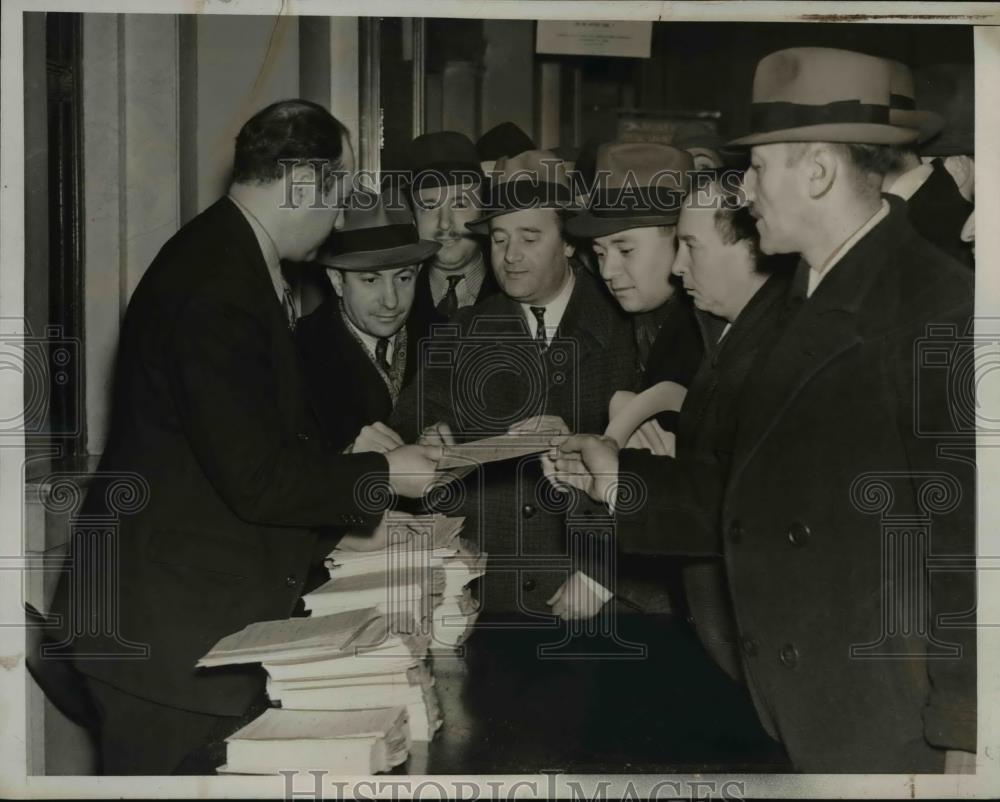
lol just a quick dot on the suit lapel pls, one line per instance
(819, 330)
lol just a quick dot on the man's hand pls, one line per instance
(653, 437)
(376, 437)
(587, 462)
(413, 469)
(540, 424)
(578, 598)
(437, 434)
(391, 531)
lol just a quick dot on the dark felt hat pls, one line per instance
(637, 184)
(443, 158)
(379, 233)
(535, 179)
(505, 139)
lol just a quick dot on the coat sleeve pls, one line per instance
(668, 506)
(224, 385)
(936, 419)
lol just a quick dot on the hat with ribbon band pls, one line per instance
(636, 184)
(535, 179)
(903, 105)
(379, 233)
(821, 94)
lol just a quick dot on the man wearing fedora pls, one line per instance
(212, 432)
(445, 181)
(550, 344)
(358, 337)
(848, 471)
(936, 206)
(630, 224)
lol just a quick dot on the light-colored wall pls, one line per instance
(244, 63)
(509, 60)
(163, 100)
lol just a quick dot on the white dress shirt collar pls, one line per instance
(906, 185)
(467, 290)
(267, 248)
(554, 310)
(368, 341)
(817, 275)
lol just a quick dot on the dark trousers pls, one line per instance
(137, 736)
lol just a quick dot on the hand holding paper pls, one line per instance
(588, 463)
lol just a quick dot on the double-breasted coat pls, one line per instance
(852, 472)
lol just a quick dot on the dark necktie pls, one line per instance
(539, 313)
(288, 304)
(449, 304)
(382, 352)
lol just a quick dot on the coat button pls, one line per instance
(798, 533)
(788, 656)
(749, 647)
(527, 510)
(290, 580)
(528, 584)
(736, 532)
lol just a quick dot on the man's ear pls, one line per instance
(568, 249)
(337, 280)
(821, 167)
(304, 187)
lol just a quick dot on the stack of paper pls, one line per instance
(426, 575)
(377, 671)
(340, 742)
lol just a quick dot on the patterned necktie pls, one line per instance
(288, 304)
(449, 304)
(382, 353)
(539, 313)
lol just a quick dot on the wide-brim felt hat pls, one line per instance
(822, 94)
(443, 158)
(903, 108)
(638, 184)
(535, 179)
(379, 233)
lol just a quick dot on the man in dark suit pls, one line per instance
(843, 432)
(355, 346)
(936, 207)
(445, 182)
(551, 344)
(211, 419)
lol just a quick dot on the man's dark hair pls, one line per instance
(735, 224)
(289, 130)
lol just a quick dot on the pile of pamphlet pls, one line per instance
(425, 573)
(354, 680)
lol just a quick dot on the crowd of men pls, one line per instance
(495, 293)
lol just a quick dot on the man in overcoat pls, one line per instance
(853, 467)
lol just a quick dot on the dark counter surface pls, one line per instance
(652, 702)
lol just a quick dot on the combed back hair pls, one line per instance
(735, 224)
(289, 130)
(870, 163)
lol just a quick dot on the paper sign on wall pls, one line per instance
(594, 38)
